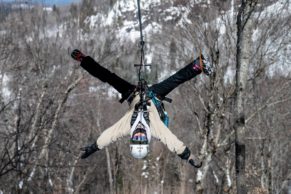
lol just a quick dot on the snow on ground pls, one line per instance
(281, 6)
(128, 32)
(147, 5)
(283, 59)
(152, 28)
(130, 29)
(184, 19)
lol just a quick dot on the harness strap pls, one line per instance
(160, 107)
(200, 60)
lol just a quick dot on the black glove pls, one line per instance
(186, 155)
(196, 162)
(88, 150)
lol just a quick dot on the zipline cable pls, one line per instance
(142, 85)
(142, 65)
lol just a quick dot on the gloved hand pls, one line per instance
(194, 161)
(88, 150)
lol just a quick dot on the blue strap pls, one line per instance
(163, 114)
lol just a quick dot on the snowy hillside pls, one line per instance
(158, 17)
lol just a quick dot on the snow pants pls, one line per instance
(122, 127)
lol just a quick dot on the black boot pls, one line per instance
(88, 150)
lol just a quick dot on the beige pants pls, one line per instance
(158, 130)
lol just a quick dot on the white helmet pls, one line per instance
(140, 137)
(139, 151)
(139, 142)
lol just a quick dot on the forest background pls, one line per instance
(50, 107)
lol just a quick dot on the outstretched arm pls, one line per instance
(118, 130)
(161, 132)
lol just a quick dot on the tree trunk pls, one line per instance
(244, 33)
(44, 150)
(108, 158)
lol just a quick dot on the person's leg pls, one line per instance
(185, 74)
(96, 70)
(161, 132)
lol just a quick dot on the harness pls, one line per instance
(160, 107)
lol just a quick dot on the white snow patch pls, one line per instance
(48, 9)
(199, 175)
(109, 91)
(158, 158)
(283, 69)
(173, 11)
(112, 93)
(229, 75)
(146, 5)
(153, 28)
(126, 5)
(232, 9)
(280, 8)
(50, 182)
(220, 25)
(145, 174)
(29, 38)
(110, 18)
(93, 89)
(184, 19)
(22, 6)
(94, 19)
(256, 35)
(190, 181)
(216, 177)
(149, 58)
(20, 184)
(144, 165)
(168, 18)
(31, 174)
(6, 93)
(54, 31)
(162, 181)
(128, 31)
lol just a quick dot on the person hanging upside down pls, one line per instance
(155, 120)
